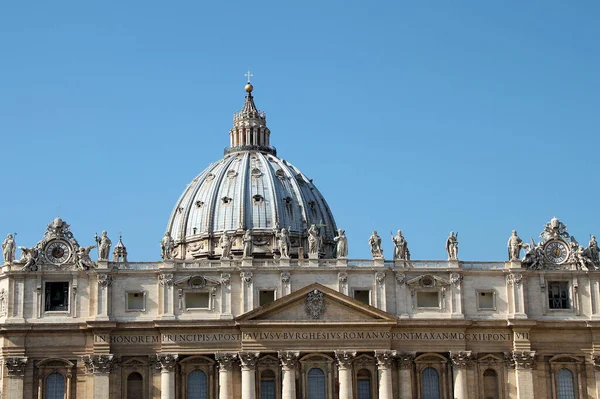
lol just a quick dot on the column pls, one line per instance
(167, 363)
(166, 281)
(380, 302)
(405, 366)
(345, 359)
(226, 296)
(248, 361)
(247, 291)
(522, 362)
(100, 366)
(225, 361)
(460, 361)
(384, 368)
(15, 367)
(515, 289)
(288, 368)
(456, 297)
(103, 299)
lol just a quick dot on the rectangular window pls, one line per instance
(196, 300)
(265, 297)
(57, 297)
(486, 300)
(136, 301)
(558, 295)
(428, 299)
(363, 296)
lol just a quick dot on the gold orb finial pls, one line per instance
(248, 87)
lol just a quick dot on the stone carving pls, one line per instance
(314, 240)
(120, 251)
(400, 277)
(284, 244)
(341, 251)
(375, 244)
(455, 279)
(248, 360)
(285, 278)
(247, 242)
(58, 229)
(82, 258)
(380, 278)
(452, 246)
(166, 279)
(9, 247)
(104, 280)
(405, 360)
(225, 360)
(400, 247)
(288, 359)
(315, 304)
(225, 279)
(534, 256)
(343, 277)
(15, 365)
(29, 258)
(225, 243)
(515, 245)
(3, 300)
(594, 251)
(246, 277)
(103, 363)
(345, 359)
(596, 360)
(385, 358)
(521, 359)
(514, 279)
(165, 361)
(554, 229)
(462, 359)
(104, 245)
(166, 245)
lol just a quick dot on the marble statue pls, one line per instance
(375, 244)
(284, 244)
(400, 246)
(452, 246)
(84, 262)
(593, 250)
(341, 251)
(554, 229)
(225, 244)
(29, 257)
(104, 245)
(247, 241)
(314, 240)
(166, 245)
(515, 245)
(9, 248)
(583, 260)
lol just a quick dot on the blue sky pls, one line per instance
(478, 117)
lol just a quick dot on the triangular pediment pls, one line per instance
(316, 303)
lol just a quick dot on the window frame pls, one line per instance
(321, 361)
(369, 290)
(570, 295)
(135, 365)
(258, 290)
(144, 297)
(572, 363)
(196, 291)
(270, 363)
(365, 362)
(69, 295)
(494, 307)
(429, 308)
(437, 362)
(44, 368)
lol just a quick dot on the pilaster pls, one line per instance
(225, 361)
(166, 282)
(248, 361)
(247, 291)
(100, 366)
(380, 301)
(289, 361)
(405, 366)
(15, 373)
(384, 368)
(167, 364)
(456, 298)
(345, 359)
(522, 363)
(226, 296)
(461, 360)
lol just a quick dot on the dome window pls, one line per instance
(256, 172)
(280, 174)
(180, 209)
(287, 200)
(231, 174)
(199, 204)
(210, 177)
(226, 200)
(258, 199)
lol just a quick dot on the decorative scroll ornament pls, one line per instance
(248, 359)
(462, 359)
(455, 279)
(166, 279)
(400, 277)
(520, 359)
(288, 359)
(225, 360)
(165, 361)
(343, 277)
(285, 278)
(514, 279)
(345, 359)
(380, 277)
(98, 363)
(104, 280)
(405, 360)
(315, 304)
(385, 358)
(225, 279)
(596, 360)
(15, 365)
(246, 277)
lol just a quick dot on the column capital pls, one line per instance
(225, 360)
(288, 359)
(596, 360)
(514, 279)
(405, 360)
(101, 363)
(15, 365)
(385, 358)
(462, 359)
(165, 361)
(248, 359)
(520, 360)
(345, 359)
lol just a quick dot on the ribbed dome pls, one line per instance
(249, 189)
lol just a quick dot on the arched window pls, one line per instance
(197, 386)
(135, 386)
(566, 389)
(490, 384)
(430, 384)
(55, 386)
(316, 384)
(267, 385)
(363, 384)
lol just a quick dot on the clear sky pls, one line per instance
(475, 116)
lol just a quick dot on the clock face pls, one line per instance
(556, 252)
(57, 252)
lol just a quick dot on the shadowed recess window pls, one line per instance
(428, 299)
(55, 386)
(266, 297)
(196, 300)
(135, 301)
(490, 384)
(363, 296)
(316, 384)
(558, 295)
(363, 384)
(430, 384)
(135, 386)
(57, 296)
(486, 300)
(267, 385)
(197, 386)
(566, 389)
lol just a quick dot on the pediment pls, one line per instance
(316, 303)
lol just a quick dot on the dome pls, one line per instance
(252, 189)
